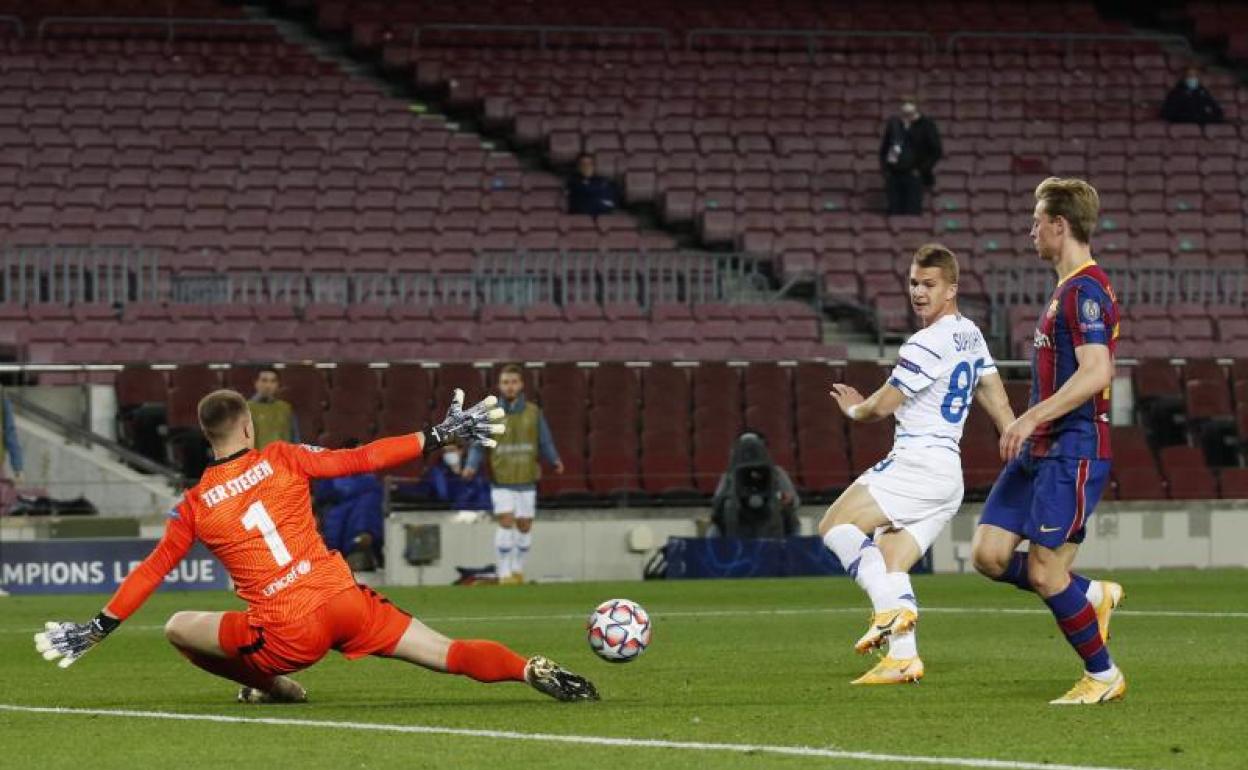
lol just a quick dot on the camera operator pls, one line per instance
(755, 497)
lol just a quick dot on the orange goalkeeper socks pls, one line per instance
(484, 661)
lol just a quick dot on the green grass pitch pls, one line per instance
(761, 662)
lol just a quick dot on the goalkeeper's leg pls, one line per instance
(486, 661)
(197, 635)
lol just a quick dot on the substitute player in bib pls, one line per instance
(252, 510)
(514, 471)
(890, 516)
(1058, 450)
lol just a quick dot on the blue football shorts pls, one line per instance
(1046, 500)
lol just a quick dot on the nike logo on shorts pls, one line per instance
(1046, 530)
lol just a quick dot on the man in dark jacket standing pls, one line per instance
(909, 151)
(589, 193)
(1190, 102)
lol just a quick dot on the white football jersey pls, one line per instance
(938, 369)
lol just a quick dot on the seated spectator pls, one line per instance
(352, 520)
(1190, 102)
(755, 497)
(589, 193)
(446, 482)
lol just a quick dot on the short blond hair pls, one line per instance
(936, 255)
(1074, 200)
(219, 413)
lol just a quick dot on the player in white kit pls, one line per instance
(888, 518)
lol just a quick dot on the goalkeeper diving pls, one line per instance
(252, 510)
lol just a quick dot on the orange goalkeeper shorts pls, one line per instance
(356, 622)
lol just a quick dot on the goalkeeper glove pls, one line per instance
(477, 424)
(70, 641)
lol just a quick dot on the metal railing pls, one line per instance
(542, 32)
(77, 433)
(171, 23)
(15, 22)
(78, 274)
(641, 278)
(518, 278)
(1009, 286)
(811, 36)
(1069, 38)
(300, 289)
(1033, 286)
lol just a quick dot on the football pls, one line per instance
(619, 630)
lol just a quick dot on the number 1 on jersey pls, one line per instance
(258, 518)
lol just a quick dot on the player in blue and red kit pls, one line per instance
(1058, 451)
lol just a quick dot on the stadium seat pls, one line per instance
(869, 443)
(355, 389)
(1159, 401)
(1233, 483)
(1187, 475)
(407, 387)
(1139, 483)
(565, 391)
(137, 385)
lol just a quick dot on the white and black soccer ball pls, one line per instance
(619, 630)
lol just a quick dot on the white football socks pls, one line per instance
(1108, 675)
(504, 548)
(863, 561)
(1095, 592)
(524, 540)
(903, 646)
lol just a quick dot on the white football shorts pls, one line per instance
(918, 489)
(521, 503)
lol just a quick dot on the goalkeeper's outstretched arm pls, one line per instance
(66, 642)
(477, 424)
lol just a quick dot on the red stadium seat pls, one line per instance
(1187, 475)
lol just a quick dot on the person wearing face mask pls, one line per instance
(1190, 102)
(909, 151)
(444, 481)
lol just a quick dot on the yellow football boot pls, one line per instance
(1111, 596)
(1088, 690)
(893, 671)
(883, 625)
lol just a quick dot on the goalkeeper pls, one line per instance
(252, 510)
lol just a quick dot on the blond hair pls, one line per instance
(936, 255)
(1074, 200)
(219, 413)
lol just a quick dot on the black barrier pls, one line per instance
(727, 557)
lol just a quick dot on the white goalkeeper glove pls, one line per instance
(70, 641)
(477, 424)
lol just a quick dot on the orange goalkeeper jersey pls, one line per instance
(253, 510)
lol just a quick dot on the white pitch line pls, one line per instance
(659, 614)
(584, 740)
